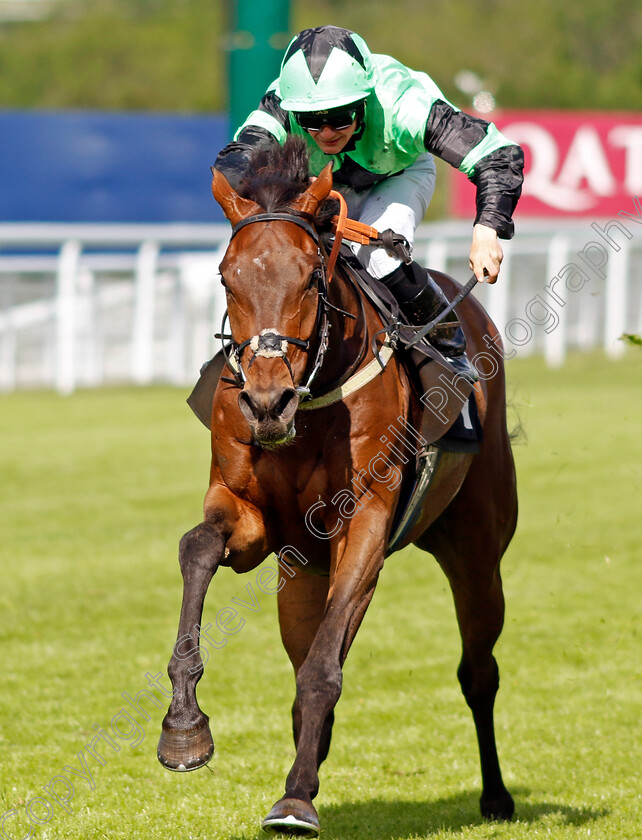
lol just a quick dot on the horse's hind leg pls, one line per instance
(186, 741)
(468, 541)
(480, 614)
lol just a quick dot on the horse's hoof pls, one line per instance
(181, 750)
(292, 816)
(497, 808)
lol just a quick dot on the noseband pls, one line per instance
(270, 343)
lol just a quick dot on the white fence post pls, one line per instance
(143, 327)
(65, 373)
(7, 338)
(555, 341)
(437, 255)
(177, 333)
(616, 300)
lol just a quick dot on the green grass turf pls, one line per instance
(96, 491)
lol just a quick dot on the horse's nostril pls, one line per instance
(248, 407)
(284, 405)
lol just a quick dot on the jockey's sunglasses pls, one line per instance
(337, 120)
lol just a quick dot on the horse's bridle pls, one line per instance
(269, 343)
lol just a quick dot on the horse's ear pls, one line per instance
(234, 206)
(316, 193)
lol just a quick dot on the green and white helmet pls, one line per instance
(324, 68)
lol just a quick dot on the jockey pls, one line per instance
(380, 123)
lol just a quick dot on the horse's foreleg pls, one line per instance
(186, 742)
(319, 679)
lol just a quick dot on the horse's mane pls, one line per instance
(277, 175)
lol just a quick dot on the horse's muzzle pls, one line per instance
(270, 414)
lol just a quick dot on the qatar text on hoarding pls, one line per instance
(577, 163)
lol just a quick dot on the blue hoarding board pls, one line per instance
(108, 167)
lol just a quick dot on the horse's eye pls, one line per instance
(228, 291)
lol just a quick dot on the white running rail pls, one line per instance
(86, 305)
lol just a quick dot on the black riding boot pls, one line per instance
(421, 300)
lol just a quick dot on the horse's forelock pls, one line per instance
(276, 175)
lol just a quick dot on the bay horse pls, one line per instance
(296, 482)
